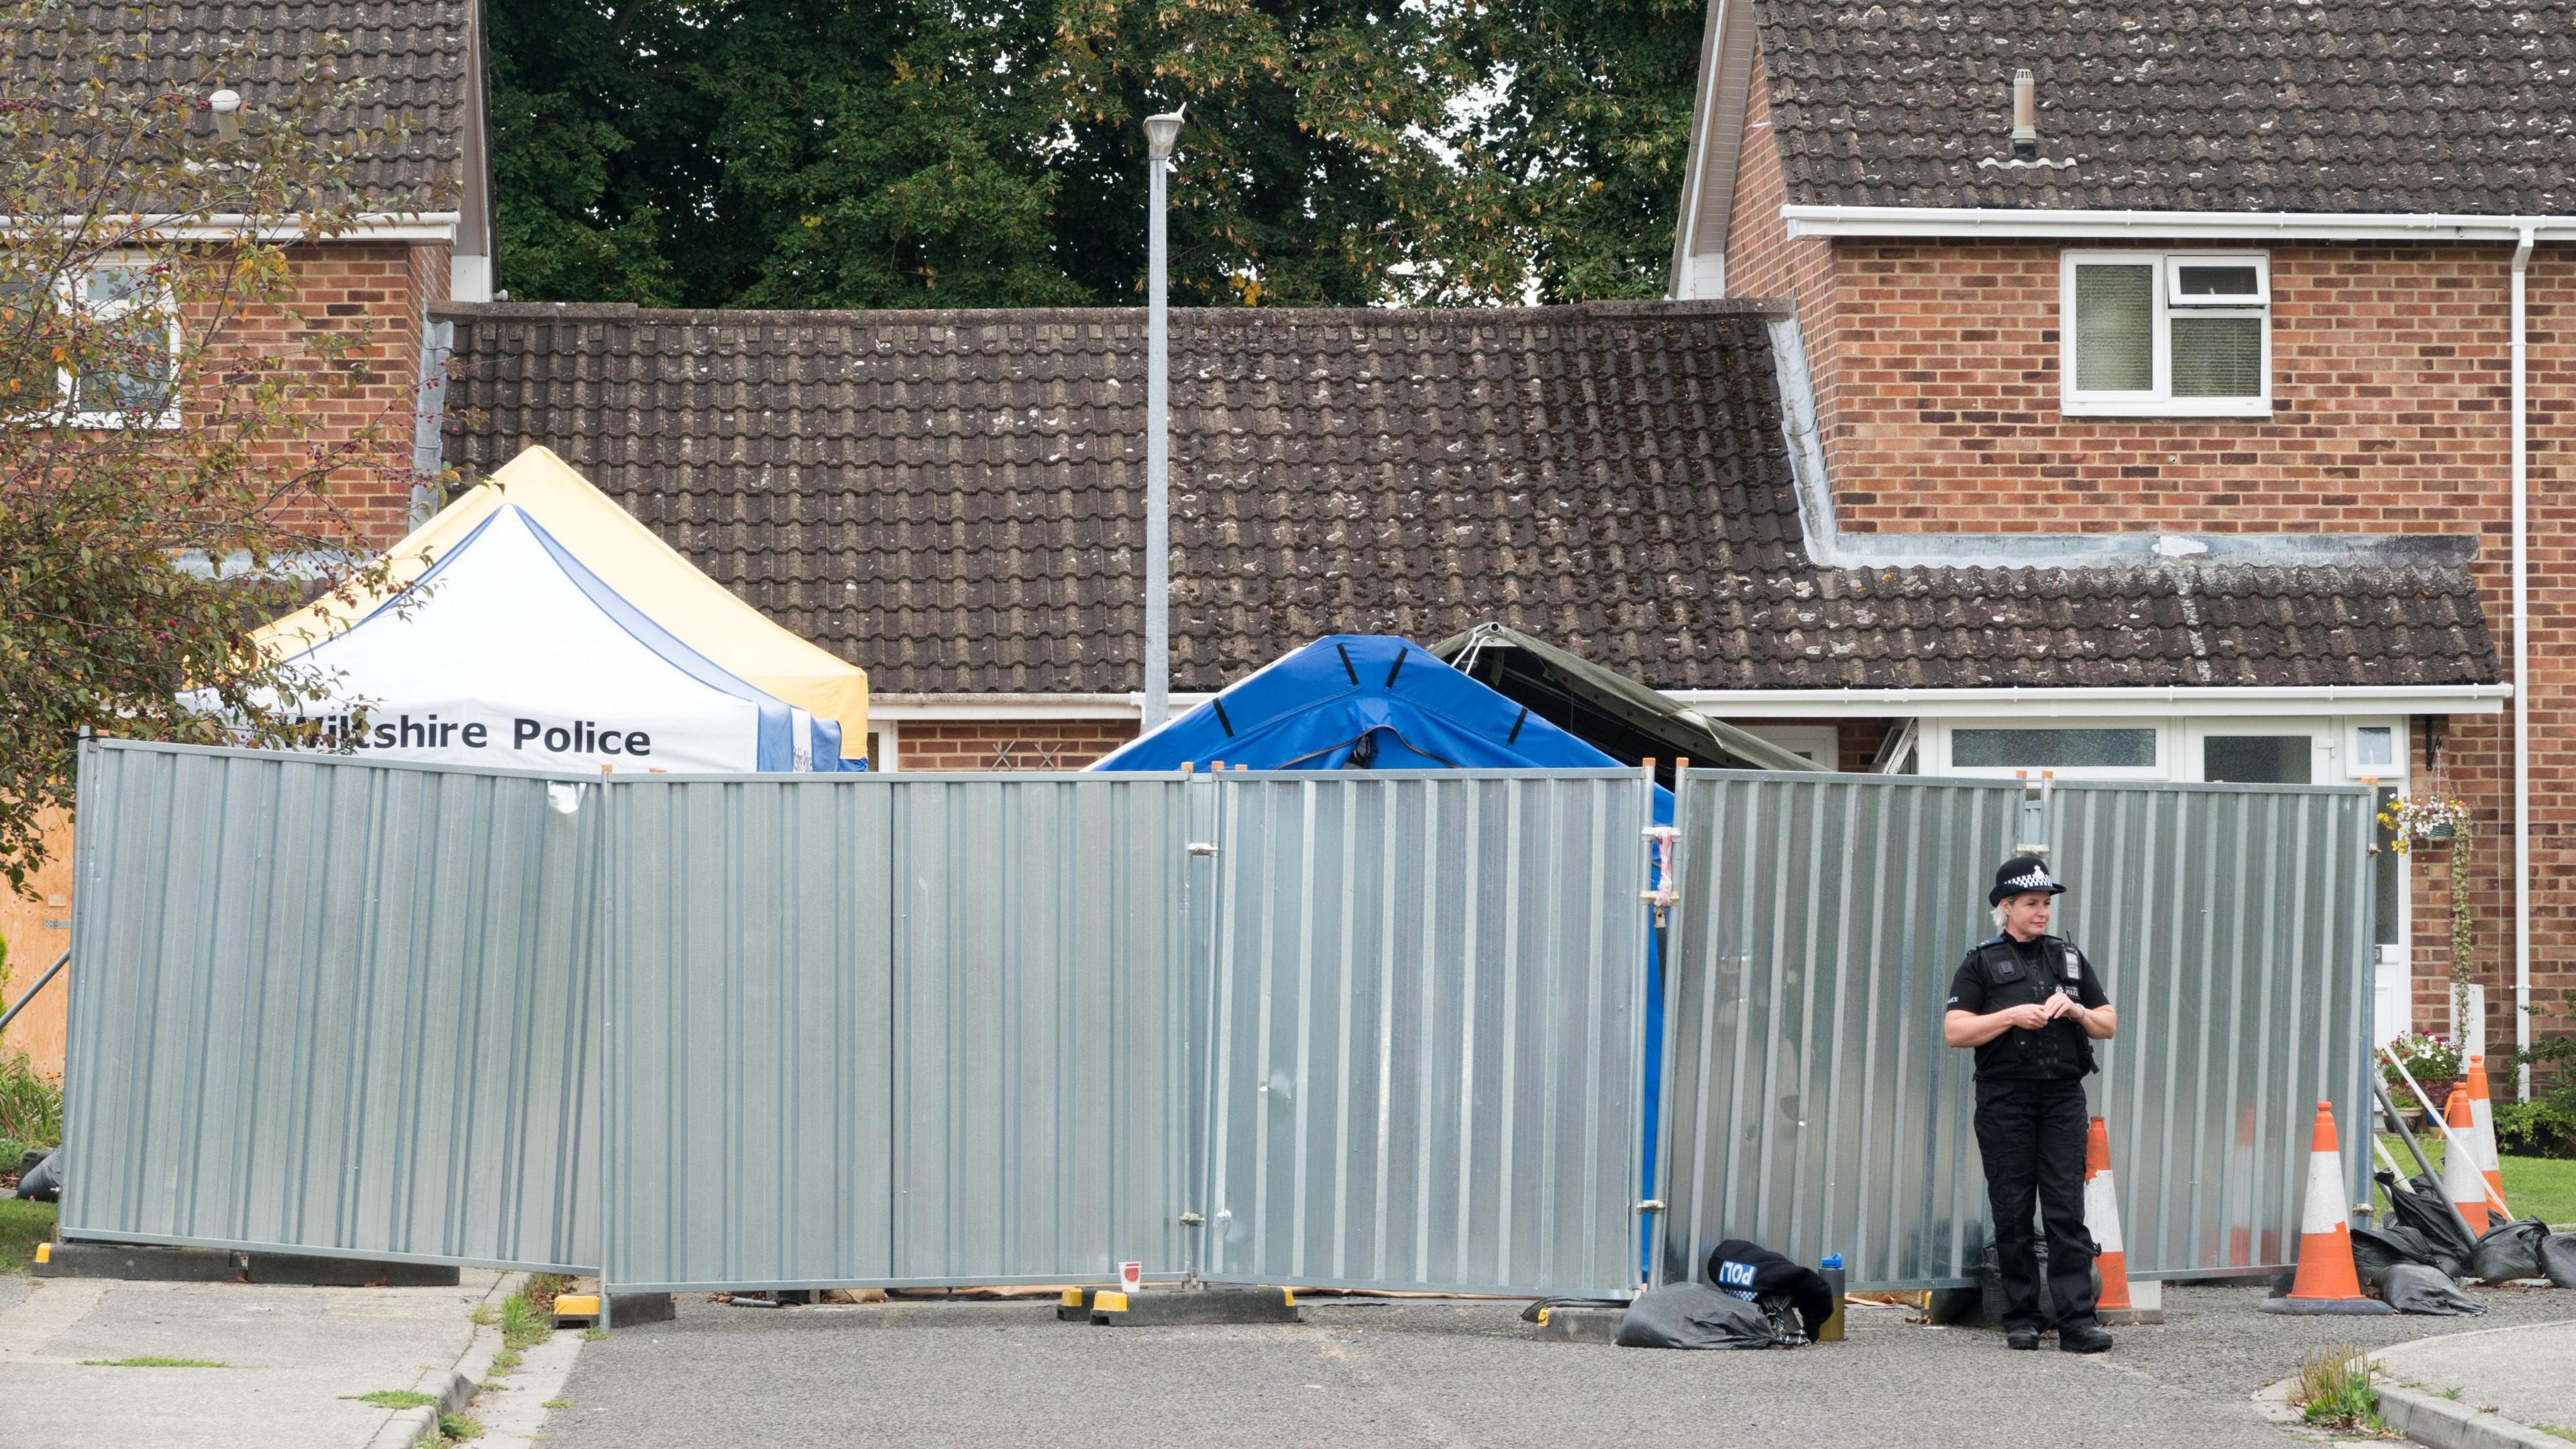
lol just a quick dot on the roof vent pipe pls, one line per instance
(2025, 132)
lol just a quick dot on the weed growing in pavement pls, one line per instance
(395, 1399)
(522, 1326)
(2334, 1389)
(454, 1426)
(556, 1404)
(506, 1360)
(2558, 1430)
(149, 1361)
(542, 1289)
(482, 1316)
(593, 1335)
(2452, 1394)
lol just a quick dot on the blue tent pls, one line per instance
(1379, 702)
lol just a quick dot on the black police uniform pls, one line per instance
(2031, 1119)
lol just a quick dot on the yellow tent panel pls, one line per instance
(626, 556)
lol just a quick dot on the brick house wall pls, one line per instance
(1763, 260)
(1007, 744)
(1936, 365)
(383, 287)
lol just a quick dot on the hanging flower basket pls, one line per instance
(2422, 819)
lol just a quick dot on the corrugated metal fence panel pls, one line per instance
(1042, 1089)
(2231, 926)
(1429, 1006)
(748, 1052)
(899, 1029)
(1809, 1103)
(333, 1008)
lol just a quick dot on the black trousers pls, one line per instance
(2031, 1135)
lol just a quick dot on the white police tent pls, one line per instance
(508, 650)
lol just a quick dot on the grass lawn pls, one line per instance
(2541, 1187)
(22, 1226)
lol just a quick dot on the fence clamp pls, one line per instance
(1665, 892)
(1194, 1220)
(1202, 847)
(1651, 1205)
(2034, 812)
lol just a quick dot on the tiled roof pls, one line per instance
(954, 501)
(2214, 105)
(411, 55)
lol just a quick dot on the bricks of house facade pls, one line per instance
(1006, 744)
(384, 286)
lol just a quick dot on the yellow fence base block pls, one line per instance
(1217, 1304)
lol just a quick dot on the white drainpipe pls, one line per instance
(2521, 683)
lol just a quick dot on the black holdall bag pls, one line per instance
(1757, 1275)
(1693, 1315)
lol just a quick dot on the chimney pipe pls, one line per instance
(2025, 131)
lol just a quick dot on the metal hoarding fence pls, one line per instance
(1811, 1104)
(1429, 996)
(2232, 924)
(329, 1007)
(896, 1029)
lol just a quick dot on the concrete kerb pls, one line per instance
(454, 1386)
(2441, 1422)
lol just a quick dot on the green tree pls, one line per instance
(159, 492)
(797, 153)
(1593, 129)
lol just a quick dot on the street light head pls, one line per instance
(1161, 131)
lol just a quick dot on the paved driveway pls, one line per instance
(983, 1374)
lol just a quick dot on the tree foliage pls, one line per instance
(881, 153)
(160, 491)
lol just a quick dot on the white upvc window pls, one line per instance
(2165, 334)
(116, 328)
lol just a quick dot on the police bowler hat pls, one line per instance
(2020, 876)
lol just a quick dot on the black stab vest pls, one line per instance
(2059, 1051)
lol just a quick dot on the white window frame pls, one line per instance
(889, 739)
(2325, 737)
(2158, 401)
(1935, 748)
(68, 293)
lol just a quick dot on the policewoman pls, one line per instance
(2032, 1008)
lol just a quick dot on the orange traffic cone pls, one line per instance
(2482, 1135)
(2326, 1282)
(2464, 1179)
(2102, 1219)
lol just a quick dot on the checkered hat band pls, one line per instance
(2035, 881)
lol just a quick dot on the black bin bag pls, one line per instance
(2419, 1204)
(2509, 1251)
(2414, 1288)
(2376, 1250)
(2558, 1259)
(1693, 1315)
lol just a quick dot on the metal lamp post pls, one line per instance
(1160, 132)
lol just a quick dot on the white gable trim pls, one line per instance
(1717, 141)
(1958, 221)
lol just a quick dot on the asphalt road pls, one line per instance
(1436, 1373)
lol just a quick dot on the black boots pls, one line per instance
(2024, 1338)
(2082, 1338)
